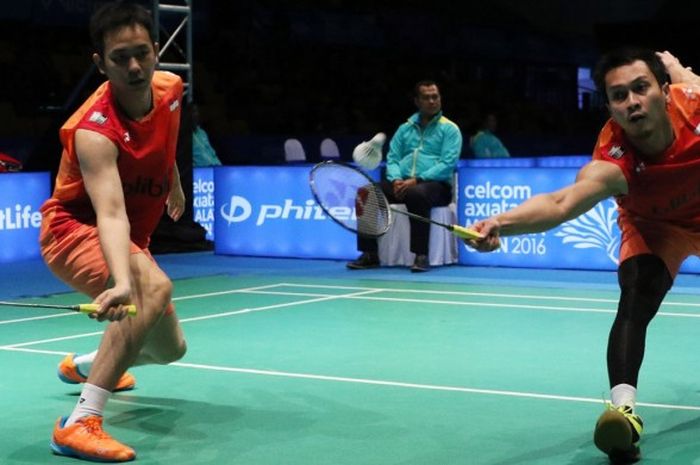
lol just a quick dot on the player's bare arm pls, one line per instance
(176, 196)
(596, 181)
(98, 165)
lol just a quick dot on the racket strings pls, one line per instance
(351, 199)
(372, 211)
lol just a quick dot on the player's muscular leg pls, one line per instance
(123, 340)
(644, 281)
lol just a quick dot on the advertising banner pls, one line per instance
(589, 242)
(20, 219)
(203, 199)
(270, 212)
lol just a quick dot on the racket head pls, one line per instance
(350, 198)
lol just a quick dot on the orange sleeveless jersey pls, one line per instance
(146, 158)
(667, 190)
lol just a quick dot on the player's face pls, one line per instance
(636, 100)
(129, 59)
(428, 100)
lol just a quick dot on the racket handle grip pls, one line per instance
(465, 233)
(92, 308)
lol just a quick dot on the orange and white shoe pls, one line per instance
(68, 373)
(87, 440)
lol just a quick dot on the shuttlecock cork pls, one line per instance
(368, 154)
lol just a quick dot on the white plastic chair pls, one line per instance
(294, 151)
(329, 149)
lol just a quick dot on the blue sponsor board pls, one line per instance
(203, 199)
(589, 242)
(270, 211)
(20, 219)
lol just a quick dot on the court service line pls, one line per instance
(473, 303)
(35, 318)
(196, 318)
(194, 296)
(323, 298)
(432, 387)
(377, 382)
(481, 294)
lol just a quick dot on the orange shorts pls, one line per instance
(77, 259)
(673, 244)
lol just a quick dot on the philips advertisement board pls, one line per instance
(203, 199)
(270, 212)
(20, 219)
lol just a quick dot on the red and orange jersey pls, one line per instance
(667, 189)
(146, 158)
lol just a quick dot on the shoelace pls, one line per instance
(94, 427)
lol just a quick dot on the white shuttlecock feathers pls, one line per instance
(368, 154)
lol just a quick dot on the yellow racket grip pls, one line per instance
(92, 308)
(465, 233)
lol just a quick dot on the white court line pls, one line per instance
(35, 318)
(466, 303)
(480, 294)
(198, 318)
(273, 306)
(194, 296)
(357, 295)
(378, 382)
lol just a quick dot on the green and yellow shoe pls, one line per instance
(617, 433)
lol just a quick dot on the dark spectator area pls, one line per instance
(265, 71)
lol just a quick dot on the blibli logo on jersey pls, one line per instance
(147, 186)
(595, 229)
(239, 209)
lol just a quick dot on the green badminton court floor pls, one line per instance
(302, 370)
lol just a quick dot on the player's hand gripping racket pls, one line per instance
(82, 308)
(354, 201)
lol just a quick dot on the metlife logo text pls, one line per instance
(239, 209)
(19, 217)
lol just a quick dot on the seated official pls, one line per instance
(420, 166)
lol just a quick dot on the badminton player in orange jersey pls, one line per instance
(117, 176)
(648, 157)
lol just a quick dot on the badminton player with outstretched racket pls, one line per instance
(117, 175)
(648, 158)
(420, 165)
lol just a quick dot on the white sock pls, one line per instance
(92, 402)
(623, 394)
(84, 362)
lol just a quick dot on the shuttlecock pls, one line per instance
(368, 154)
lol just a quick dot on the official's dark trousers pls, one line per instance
(419, 199)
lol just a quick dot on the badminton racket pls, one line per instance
(354, 201)
(82, 308)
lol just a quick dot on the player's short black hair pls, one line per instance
(114, 15)
(625, 56)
